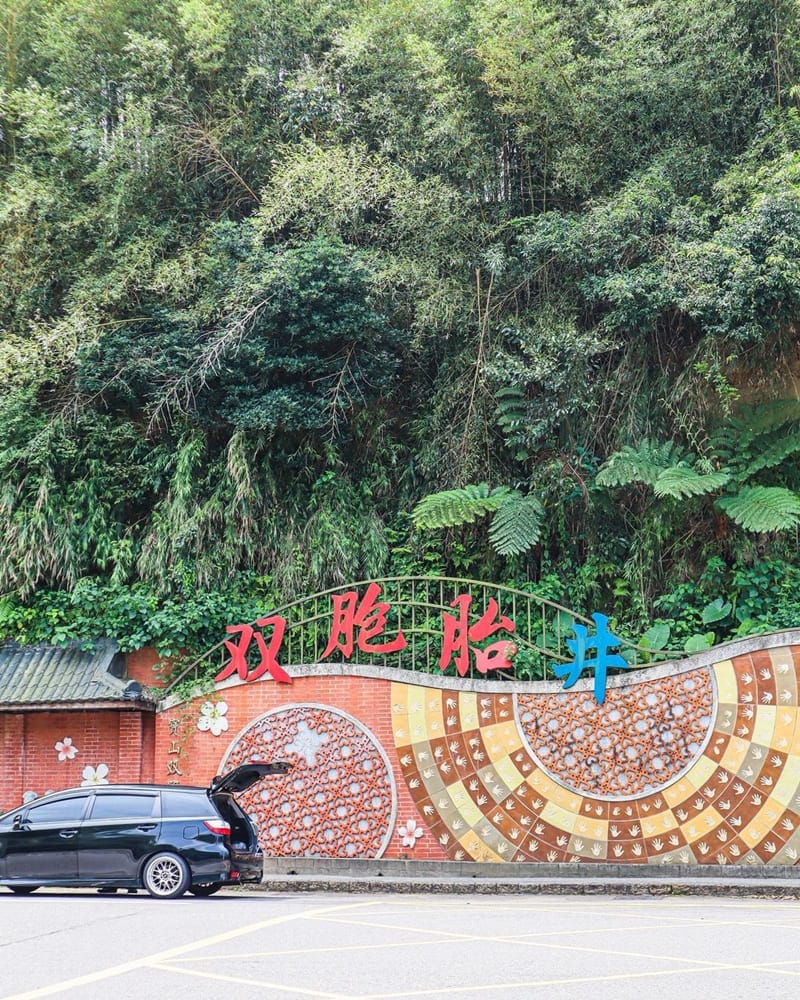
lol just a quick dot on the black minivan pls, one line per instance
(165, 838)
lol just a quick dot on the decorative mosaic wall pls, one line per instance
(696, 767)
(338, 801)
(696, 763)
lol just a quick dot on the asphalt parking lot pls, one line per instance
(356, 947)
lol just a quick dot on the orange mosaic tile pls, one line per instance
(640, 738)
(667, 770)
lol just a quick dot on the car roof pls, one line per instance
(83, 789)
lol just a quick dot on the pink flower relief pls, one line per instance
(66, 749)
(410, 833)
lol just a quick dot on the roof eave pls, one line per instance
(77, 706)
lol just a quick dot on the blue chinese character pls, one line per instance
(581, 645)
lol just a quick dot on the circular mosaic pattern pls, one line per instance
(637, 741)
(338, 801)
(485, 796)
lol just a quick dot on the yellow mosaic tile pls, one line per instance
(468, 710)
(727, 688)
(700, 773)
(507, 771)
(477, 848)
(679, 792)
(503, 735)
(598, 830)
(787, 784)
(735, 754)
(764, 726)
(567, 799)
(754, 833)
(560, 818)
(665, 821)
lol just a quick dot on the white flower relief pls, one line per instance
(410, 833)
(66, 748)
(29, 797)
(212, 717)
(95, 775)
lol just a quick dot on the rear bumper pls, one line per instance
(248, 864)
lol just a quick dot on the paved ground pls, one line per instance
(290, 946)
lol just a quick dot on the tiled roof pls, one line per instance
(42, 674)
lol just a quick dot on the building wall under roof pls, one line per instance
(94, 743)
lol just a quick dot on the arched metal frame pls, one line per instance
(416, 607)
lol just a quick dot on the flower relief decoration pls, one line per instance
(66, 749)
(95, 775)
(410, 833)
(212, 717)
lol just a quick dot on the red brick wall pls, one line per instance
(143, 666)
(485, 771)
(201, 754)
(122, 740)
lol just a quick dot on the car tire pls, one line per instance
(166, 876)
(23, 890)
(208, 889)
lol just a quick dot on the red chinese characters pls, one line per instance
(458, 634)
(362, 620)
(359, 622)
(269, 653)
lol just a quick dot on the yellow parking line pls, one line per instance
(243, 981)
(165, 956)
(464, 988)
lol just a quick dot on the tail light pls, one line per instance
(218, 826)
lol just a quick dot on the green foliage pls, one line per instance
(644, 463)
(462, 506)
(680, 482)
(516, 522)
(272, 279)
(517, 525)
(763, 508)
(134, 616)
(740, 448)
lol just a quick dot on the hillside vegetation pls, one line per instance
(273, 273)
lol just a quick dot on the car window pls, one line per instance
(62, 810)
(180, 804)
(124, 806)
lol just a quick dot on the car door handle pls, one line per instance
(66, 834)
(146, 826)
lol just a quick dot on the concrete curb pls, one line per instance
(772, 889)
(335, 875)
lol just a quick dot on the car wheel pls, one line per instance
(23, 890)
(205, 890)
(166, 876)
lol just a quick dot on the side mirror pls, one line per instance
(17, 825)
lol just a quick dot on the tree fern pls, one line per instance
(774, 454)
(682, 481)
(452, 507)
(512, 418)
(517, 525)
(763, 508)
(643, 463)
(757, 420)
